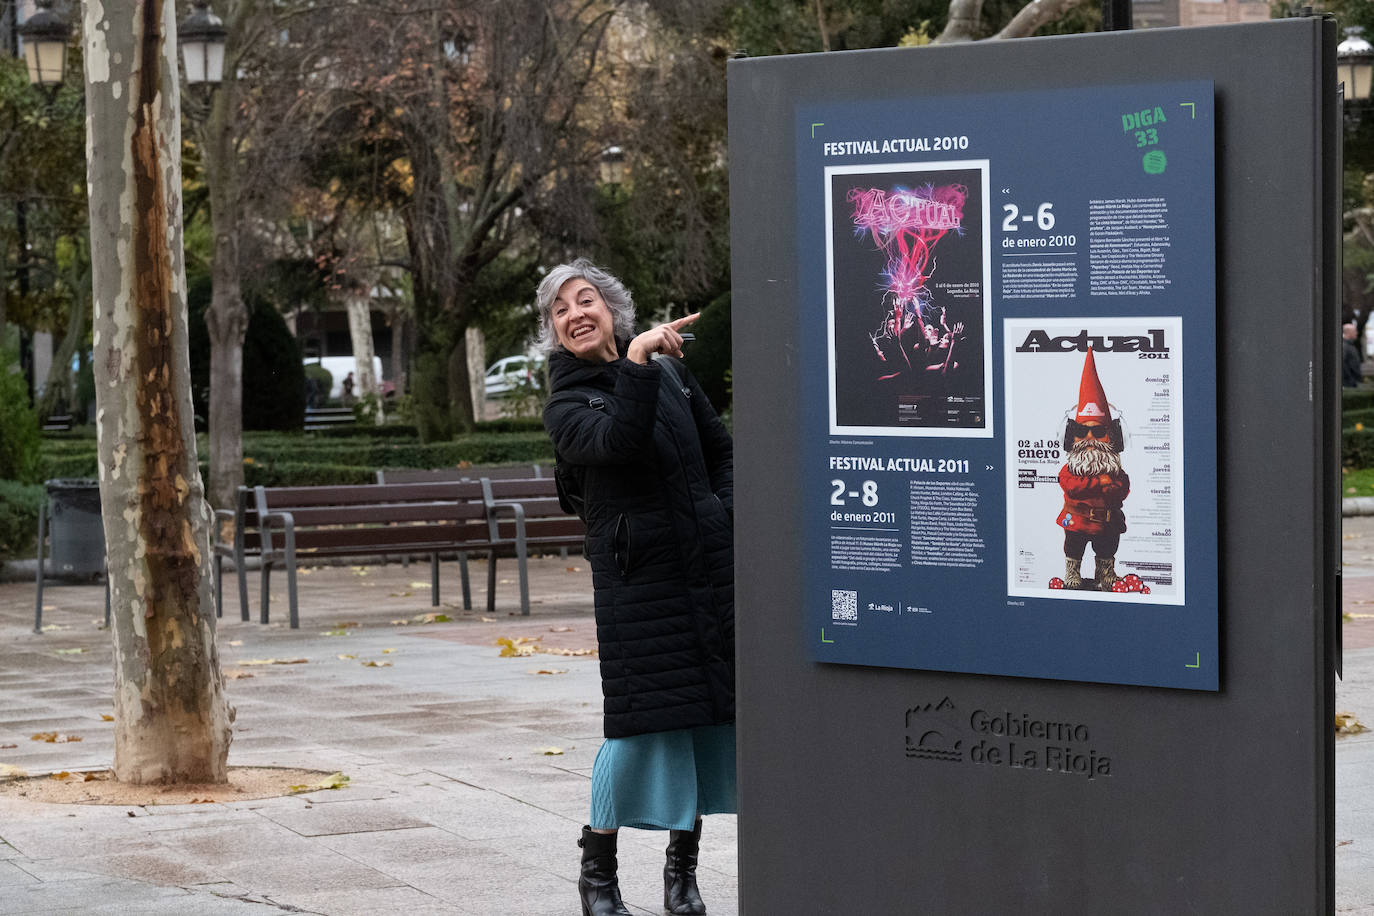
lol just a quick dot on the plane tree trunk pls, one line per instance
(172, 719)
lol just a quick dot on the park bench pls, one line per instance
(369, 520)
(473, 472)
(524, 514)
(235, 535)
(318, 418)
(57, 423)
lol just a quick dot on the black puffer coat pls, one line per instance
(657, 469)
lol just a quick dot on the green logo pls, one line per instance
(1154, 162)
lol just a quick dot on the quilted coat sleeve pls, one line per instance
(716, 444)
(621, 434)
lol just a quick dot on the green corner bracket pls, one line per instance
(823, 639)
(1192, 112)
(1197, 661)
(814, 125)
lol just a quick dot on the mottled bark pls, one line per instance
(962, 24)
(358, 304)
(477, 369)
(172, 720)
(1033, 15)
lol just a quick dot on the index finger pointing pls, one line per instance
(683, 322)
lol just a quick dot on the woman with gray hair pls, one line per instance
(647, 464)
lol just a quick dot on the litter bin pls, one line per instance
(74, 528)
(69, 522)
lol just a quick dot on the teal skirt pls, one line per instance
(664, 780)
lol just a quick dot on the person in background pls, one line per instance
(652, 469)
(348, 390)
(1352, 363)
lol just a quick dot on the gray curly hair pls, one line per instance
(617, 297)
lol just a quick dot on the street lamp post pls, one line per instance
(1355, 66)
(202, 37)
(46, 36)
(613, 166)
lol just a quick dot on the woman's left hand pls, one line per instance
(663, 339)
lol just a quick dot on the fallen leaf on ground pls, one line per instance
(4, 747)
(52, 627)
(237, 675)
(11, 772)
(400, 623)
(201, 801)
(487, 619)
(372, 664)
(433, 618)
(334, 633)
(345, 658)
(421, 585)
(272, 661)
(573, 569)
(62, 775)
(551, 751)
(54, 738)
(235, 642)
(548, 671)
(387, 651)
(49, 607)
(106, 718)
(1347, 724)
(70, 651)
(519, 647)
(560, 629)
(90, 777)
(332, 781)
(566, 652)
(347, 624)
(398, 594)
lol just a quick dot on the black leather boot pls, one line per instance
(680, 896)
(598, 885)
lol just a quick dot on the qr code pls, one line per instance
(844, 605)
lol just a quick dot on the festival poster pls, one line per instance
(966, 263)
(1095, 457)
(909, 312)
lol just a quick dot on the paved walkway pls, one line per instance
(453, 806)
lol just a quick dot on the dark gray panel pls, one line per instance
(1216, 803)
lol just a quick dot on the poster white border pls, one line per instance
(923, 432)
(1012, 332)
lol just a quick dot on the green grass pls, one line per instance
(1357, 482)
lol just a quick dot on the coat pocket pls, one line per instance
(620, 543)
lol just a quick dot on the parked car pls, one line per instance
(505, 377)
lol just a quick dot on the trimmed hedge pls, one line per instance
(281, 459)
(1357, 399)
(19, 504)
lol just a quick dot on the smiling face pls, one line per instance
(583, 322)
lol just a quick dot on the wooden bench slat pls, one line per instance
(396, 538)
(376, 515)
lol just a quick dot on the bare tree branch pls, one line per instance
(1035, 14)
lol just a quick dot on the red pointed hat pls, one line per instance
(1092, 400)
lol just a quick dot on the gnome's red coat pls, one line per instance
(1092, 505)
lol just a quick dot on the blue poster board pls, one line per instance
(1009, 301)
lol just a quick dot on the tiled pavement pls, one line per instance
(452, 807)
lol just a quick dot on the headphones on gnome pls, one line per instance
(1073, 430)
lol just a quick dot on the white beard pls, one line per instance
(1091, 457)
